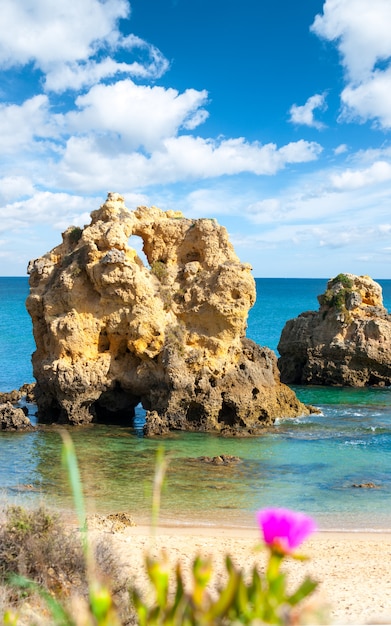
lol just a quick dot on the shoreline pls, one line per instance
(213, 523)
(251, 533)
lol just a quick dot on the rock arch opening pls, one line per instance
(136, 243)
(116, 406)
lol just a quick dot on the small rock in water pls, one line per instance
(366, 486)
(223, 459)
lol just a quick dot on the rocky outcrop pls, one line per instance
(112, 332)
(346, 342)
(26, 391)
(14, 418)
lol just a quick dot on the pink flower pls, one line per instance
(283, 529)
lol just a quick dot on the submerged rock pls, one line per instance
(112, 332)
(346, 342)
(366, 486)
(222, 459)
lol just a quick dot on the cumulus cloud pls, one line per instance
(140, 115)
(369, 100)
(85, 166)
(45, 207)
(360, 29)
(15, 187)
(73, 43)
(378, 172)
(305, 114)
(20, 124)
(46, 32)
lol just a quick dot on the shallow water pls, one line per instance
(309, 464)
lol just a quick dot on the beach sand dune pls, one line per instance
(353, 569)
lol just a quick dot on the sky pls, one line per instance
(272, 117)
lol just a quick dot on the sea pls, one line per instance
(314, 464)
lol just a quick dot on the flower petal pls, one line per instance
(285, 528)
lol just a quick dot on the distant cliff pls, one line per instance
(112, 332)
(346, 342)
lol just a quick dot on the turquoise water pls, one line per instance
(308, 464)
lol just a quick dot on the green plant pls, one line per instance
(166, 297)
(243, 599)
(36, 545)
(344, 280)
(74, 234)
(100, 609)
(175, 338)
(101, 605)
(159, 269)
(335, 296)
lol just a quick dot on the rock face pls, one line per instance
(14, 396)
(112, 332)
(13, 418)
(346, 342)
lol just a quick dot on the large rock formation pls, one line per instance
(346, 342)
(112, 332)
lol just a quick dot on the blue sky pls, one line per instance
(274, 118)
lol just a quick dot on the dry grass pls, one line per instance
(36, 545)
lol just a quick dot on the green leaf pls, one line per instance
(306, 588)
(227, 595)
(69, 460)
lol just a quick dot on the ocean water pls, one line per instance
(309, 464)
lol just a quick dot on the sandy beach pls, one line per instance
(353, 569)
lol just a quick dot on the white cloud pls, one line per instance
(369, 100)
(46, 32)
(77, 75)
(378, 172)
(341, 149)
(361, 31)
(62, 38)
(141, 116)
(305, 114)
(44, 207)
(300, 151)
(264, 211)
(20, 124)
(15, 187)
(343, 211)
(86, 166)
(209, 202)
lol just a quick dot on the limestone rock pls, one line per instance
(346, 342)
(26, 391)
(222, 459)
(13, 418)
(112, 332)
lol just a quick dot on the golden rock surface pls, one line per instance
(112, 330)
